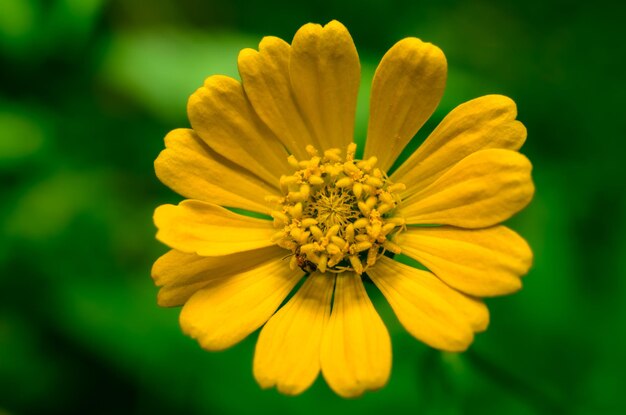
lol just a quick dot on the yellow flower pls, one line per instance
(280, 142)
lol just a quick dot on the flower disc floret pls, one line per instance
(337, 213)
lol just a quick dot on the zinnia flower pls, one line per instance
(280, 143)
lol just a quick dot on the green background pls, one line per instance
(89, 88)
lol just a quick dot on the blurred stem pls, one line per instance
(528, 391)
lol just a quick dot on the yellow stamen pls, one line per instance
(336, 214)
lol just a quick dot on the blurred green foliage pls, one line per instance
(88, 89)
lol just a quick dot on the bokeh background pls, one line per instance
(89, 88)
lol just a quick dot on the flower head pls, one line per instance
(280, 143)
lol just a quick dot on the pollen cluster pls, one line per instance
(336, 213)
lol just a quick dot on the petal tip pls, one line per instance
(291, 389)
(245, 54)
(416, 44)
(336, 25)
(458, 345)
(268, 42)
(306, 30)
(163, 300)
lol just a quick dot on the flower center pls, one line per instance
(336, 214)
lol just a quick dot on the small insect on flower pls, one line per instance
(281, 143)
(304, 264)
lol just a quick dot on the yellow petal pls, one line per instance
(228, 309)
(288, 350)
(407, 87)
(325, 75)
(356, 350)
(483, 189)
(180, 274)
(189, 167)
(427, 308)
(210, 230)
(481, 262)
(222, 116)
(482, 123)
(265, 78)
